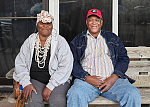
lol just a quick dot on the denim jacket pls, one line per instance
(117, 51)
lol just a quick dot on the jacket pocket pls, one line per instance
(53, 67)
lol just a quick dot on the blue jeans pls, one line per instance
(81, 94)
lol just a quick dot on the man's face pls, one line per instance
(94, 25)
(44, 29)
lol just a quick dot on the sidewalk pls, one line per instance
(4, 100)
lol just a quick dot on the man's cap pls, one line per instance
(45, 17)
(95, 12)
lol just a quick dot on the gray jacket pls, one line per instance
(60, 64)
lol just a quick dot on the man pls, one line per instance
(100, 63)
(43, 65)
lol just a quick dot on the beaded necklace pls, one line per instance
(41, 53)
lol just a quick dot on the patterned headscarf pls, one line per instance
(45, 17)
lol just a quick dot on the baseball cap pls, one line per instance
(95, 12)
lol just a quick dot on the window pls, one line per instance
(17, 22)
(134, 22)
(72, 15)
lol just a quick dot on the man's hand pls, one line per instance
(46, 94)
(94, 80)
(109, 82)
(27, 92)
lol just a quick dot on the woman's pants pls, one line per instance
(57, 97)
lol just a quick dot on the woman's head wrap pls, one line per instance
(44, 17)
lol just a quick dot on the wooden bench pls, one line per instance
(139, 69)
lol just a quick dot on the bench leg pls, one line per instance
(145, 105)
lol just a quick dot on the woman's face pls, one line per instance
(44, 29)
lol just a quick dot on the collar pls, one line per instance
(89, 34)
(83, 34)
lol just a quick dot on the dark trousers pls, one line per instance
(57, 97)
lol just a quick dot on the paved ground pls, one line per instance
(5, 103)
(3, 100)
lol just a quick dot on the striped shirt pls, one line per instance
(97, 60)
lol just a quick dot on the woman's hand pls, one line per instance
(46, 94)
(27, 92)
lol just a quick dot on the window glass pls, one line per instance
(13, 30)
(134, 22)
(73, 15)
(19, 8)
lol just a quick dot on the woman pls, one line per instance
(43, 65)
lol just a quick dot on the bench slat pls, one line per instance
(138, 52)
(135, 67)
(101, 101)
(139, 71)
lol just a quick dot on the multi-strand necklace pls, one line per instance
(41, 53)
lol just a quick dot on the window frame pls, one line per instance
(54, 10)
